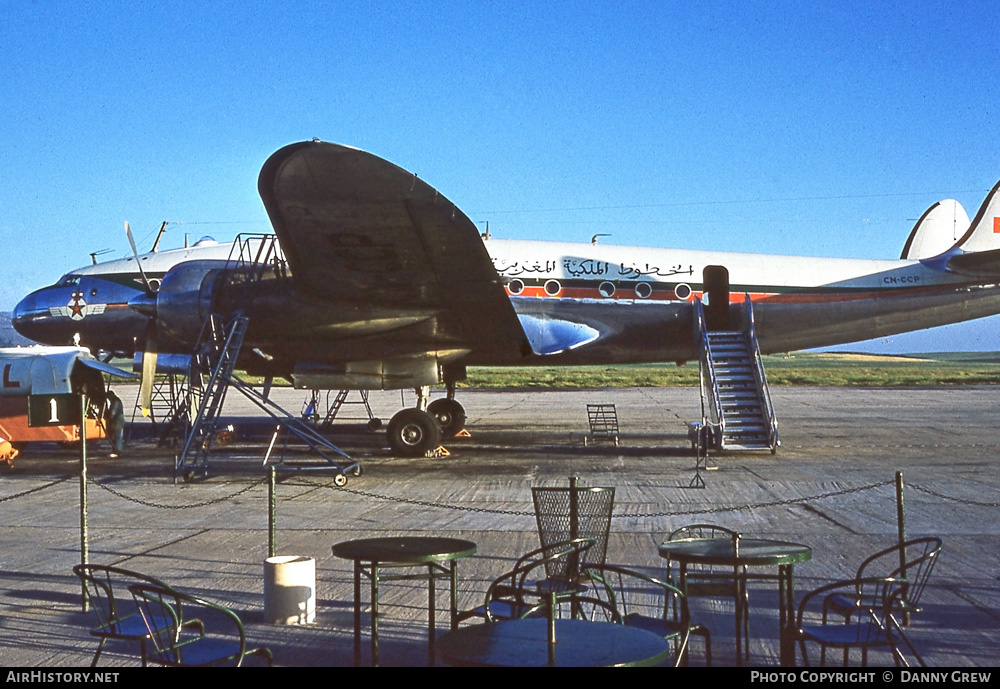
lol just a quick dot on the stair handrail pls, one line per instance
(712, 417)
(233, 337)
(758, 370)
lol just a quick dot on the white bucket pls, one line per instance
(290, 589)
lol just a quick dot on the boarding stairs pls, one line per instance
(213, 371)
(736, 401)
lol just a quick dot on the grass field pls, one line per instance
(798, 368)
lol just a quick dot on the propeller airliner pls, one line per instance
(383, 283)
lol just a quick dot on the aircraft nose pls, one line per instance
(22, 318)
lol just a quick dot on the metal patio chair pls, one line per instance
(868, 625)
(708, 581)
(912, 563)
(116, 612)
(643, 601)
(219, 639)
(519, 593)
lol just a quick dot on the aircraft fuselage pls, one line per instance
(638, 302)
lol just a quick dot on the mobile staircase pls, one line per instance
(737, 414)
(212, 374)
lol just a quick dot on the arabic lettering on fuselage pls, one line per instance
(588, 267)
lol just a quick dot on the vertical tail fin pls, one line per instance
(937, 230)
(984, 233)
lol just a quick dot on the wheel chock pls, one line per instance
(463, 434)
(439, 451)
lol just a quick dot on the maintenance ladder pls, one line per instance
(216, 356)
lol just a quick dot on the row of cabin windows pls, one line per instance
(643, 290)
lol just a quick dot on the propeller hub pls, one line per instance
(144, 304)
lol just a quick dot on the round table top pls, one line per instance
(719, 551)
(405, 549)
(579, 643)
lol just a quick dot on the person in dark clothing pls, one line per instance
(114, 418)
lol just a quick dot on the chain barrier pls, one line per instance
(511, 513)
(964, 501)
(33, 490)
(639, 515)
(206, 503)
(754, 506)
(426, 503)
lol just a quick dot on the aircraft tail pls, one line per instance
(984, 233)
(938, 229)
(977, 253)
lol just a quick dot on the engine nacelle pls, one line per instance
(185, 299)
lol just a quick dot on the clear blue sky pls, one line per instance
(782, 127)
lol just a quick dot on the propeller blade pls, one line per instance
(138, 263)
(149, 352)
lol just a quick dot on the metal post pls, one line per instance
(901, 526)
(271, 516)
(84, 545)
(574, 515)
(574, 572)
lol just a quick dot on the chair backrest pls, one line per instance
(107, 589)
(567, 513)
(696, 571)
(701, 531)
(161, 610)
(911, 560)
(511, 586)
(634, 594)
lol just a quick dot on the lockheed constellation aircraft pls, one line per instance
(385, 284)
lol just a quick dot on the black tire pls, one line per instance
(413, 433)
(450, 416)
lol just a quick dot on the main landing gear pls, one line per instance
(415, 431)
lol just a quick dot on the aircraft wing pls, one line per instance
(355, 228)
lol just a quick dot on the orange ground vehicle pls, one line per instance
(40, 394)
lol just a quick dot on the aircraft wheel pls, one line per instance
(450, 416)
(412, 433)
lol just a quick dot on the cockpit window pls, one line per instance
(67, 280)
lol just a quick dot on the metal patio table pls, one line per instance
(372, 555)
(752, 552)
(578, 643)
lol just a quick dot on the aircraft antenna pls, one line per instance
(593, 240)
(159, 236)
